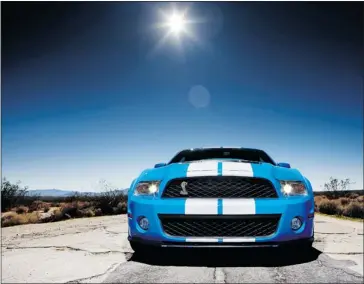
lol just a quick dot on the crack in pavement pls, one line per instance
(327, 265)
(219, 275)
(347, 253)
(110, 269)
(279, 276)
(50, 234)
(69, 248)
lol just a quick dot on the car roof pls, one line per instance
(219, 147)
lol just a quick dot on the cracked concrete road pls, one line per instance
(95, 250)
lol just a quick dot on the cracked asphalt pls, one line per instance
(94, 250)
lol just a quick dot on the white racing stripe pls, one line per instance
(237, 169)
(238, 240)
(205, 168)
(200, 206)
(238, 206)
(202, 240)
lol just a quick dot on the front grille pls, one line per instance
(219, 226)
(220, 187)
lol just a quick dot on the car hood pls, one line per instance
(217, 168)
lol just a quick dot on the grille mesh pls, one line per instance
(221, 187)
(219, 226)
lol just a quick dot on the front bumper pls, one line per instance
(168, 244)
(288, 208)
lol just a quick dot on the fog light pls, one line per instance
(296, 223)
(144, 223)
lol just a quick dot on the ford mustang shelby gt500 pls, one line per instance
(220, 197)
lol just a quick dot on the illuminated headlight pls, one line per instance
(147, 188)
(293, 188)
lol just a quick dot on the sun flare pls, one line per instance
(176, 27)
(176, 23)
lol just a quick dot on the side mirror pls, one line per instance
(284, 165)
(159, 165)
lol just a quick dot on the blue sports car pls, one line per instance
(220, 197)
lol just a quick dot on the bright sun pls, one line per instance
(176, 26)
(176, 23)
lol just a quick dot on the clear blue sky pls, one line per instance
(86, 98)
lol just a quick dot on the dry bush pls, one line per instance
(353, 195)
(57, 215)
(360, 198)
(36, 206)
(46, 207)
(331, 207)
(21, 210)
(344, 201)
(318, 199)
(13, 219)
(354, 210)
(98, 212)
(121, 208)
(89, 213)
(71, 210)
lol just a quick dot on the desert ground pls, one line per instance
(94, 250)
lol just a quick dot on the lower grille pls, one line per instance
(219, 226)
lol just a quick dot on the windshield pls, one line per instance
(252, 155)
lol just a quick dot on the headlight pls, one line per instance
(147, 188)
(292, 188)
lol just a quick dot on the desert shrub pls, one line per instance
(12, 195)
(318, 199)
(22, 210)
(13, 219)
(57, 215)
(46, 208)
(344, 201)
(120, 209)
(354, 210)
(71, 210)
(98, 212)
(107, 201)
(89, 213)
(353, 195)
(360, 198)
(83, 204)
(329, 207)
(36, 206)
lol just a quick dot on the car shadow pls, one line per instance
(257, 257)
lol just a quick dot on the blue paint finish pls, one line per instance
(219, 206)
(265, 170)
(151, 206)
(288, 208)
(219, 168)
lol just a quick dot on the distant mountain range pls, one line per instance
(65, 193)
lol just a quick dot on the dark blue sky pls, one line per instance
(87, 92)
